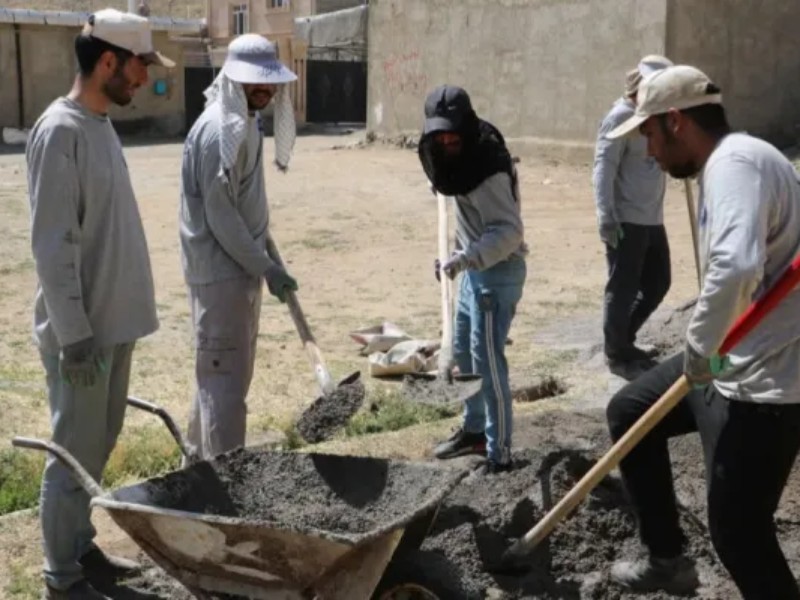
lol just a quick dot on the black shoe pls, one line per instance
(647, 351)
(630, 369)
(81, 590)
(492, 467)
(461, 443)
(674, 575)
(98, 564)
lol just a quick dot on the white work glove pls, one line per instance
(455, 264)
(79, 363)
(611, 234)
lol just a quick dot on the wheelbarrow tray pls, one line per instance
(275, 525)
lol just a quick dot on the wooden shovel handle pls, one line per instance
(444, 254)
(321, 372)
(746, 323)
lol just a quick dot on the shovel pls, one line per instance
(511, 559)
(442, 387)
(338, 403)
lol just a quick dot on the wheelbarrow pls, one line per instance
(279, 525)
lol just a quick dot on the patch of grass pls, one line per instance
(20, 267)
(140, 454)
(319, 239)
(386, 410)
(23, 584)
(20, 477)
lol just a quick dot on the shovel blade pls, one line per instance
(329, 413)
(427, 388)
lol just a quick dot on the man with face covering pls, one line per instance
(629, 197)
(224, 222)
(95, 295)
(747, 413)
(466, 158)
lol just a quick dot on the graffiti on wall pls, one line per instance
(403, 73)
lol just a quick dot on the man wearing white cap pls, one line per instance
(224, 225)
(629, 198)
(95, 294)
(746, 408)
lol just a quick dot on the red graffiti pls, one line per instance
(402, 72)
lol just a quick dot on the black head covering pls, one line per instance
(483, 153)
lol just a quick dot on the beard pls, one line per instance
(117, 89)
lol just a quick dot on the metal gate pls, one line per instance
(197, 79)
(336, 92)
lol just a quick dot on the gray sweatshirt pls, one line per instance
(87, 237)
(749, 233)
(628, 185)
(223, 227)
(488, 223)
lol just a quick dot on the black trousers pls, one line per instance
(749, 451)
(639, 276)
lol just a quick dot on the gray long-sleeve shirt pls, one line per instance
(87, 237)
(628, 185)
(488, 223)
(749, 233)
(223, 221)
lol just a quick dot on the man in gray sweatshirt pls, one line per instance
(629, 197)
(224, 223)
(466, 157)
(95, 295)
(746, 408)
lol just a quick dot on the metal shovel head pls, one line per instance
(429, 388)
(331, 412)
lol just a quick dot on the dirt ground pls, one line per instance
(357, 227)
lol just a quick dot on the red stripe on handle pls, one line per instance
(758, 309)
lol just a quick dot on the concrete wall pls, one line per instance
(542, 68)
(49, 68)
(274, 23)
(751, 50)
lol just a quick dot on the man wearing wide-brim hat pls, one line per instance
(224, 222)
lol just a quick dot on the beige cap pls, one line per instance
(649, 64)
(127, 31)
(678, 87)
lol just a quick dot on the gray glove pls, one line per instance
(79, 363)
(701, 370)
(611, 234)
(455, 264)
(279, 281)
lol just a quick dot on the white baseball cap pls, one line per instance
(252, 58)
(648, 65)
(678, 87)
(127, 31)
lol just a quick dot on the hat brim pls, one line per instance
(627, 127)
(156, 58)
(434, 124)
(245, 72)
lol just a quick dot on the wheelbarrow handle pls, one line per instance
(87, 481)
(186, 449)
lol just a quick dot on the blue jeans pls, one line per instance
(487, 302)
(86, 422)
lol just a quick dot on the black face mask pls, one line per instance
(483, 154)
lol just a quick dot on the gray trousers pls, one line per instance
(226, 316)
(86, 422)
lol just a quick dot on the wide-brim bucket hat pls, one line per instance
(252, 58)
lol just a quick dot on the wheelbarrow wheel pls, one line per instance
(417, 576)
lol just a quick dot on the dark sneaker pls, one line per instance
(672, 575)
(646, 351)
(81, 590)
(461, 443)
(492, 467)
(97, 563)
(629, 369)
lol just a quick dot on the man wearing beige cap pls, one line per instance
(629, 198)
(746, 408)
(224, 228)
(95, 294)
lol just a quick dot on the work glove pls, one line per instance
(279, 281)
(611, 234)
(79, 363)
(701, 370)
(455, 264)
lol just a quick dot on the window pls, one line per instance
(275, 4)
(239, 23)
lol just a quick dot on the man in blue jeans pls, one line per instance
(466, 158)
